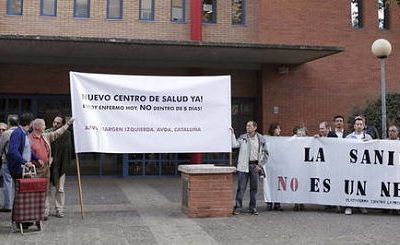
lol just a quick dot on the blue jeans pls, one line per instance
(7, 186)
(242, 179)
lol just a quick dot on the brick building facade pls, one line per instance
(292, 62)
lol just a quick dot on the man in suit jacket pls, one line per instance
(339, 131)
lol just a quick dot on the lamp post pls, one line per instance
(382, 48)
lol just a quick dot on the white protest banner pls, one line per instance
(331, 171)
(150, 114)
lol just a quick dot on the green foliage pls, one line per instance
(373, 111)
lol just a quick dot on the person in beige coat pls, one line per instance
(40, 144)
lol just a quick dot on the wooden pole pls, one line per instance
(79, 183)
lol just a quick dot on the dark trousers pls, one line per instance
(243, 178)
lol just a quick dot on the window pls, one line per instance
(238, 12)
(356, 13)
(210, 11)
(114, 9)
(14, 7)
(383, 15)
(82, 8)
(146, 9)
(177, 10)
(48, 7)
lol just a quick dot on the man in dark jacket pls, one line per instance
(20, 153)
(339, 130)
(19, 149)
(61, 153)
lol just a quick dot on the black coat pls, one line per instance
(61, 150)
(333, 134)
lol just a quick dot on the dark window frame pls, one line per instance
(151, 18)
(87, 10)
(213, 20)
(10, 10)
(183, 12)
(242, 12)
(121, 4)
(384, 24)
(359, 19)
(42, 8)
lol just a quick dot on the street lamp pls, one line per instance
(382, 48)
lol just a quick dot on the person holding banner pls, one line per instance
(299, 131)
(393, 132)
(61, 153)
(40, 144)
(324, 129)
(274, 130)
(359, 130)
(339, 131)
(358, 133)
(252, 156)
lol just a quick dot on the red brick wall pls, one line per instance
(209, 195)
(318, 90)
(64, 24)
(308, 94)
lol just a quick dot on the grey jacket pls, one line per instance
(244, 151)
(4, 140)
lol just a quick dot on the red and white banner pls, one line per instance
(331, 171)
(150, 114)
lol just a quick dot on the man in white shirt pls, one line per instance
(339, 131)
(358, 133)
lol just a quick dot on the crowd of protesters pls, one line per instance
(25, 142)
(253, 155)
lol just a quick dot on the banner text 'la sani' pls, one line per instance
(333, 171)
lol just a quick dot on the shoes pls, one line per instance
(269, 206)
(348, 211)
(298, 207)
(363, 210)
(236, 212)
(46, 218)
(277, 207)
(5, 210)
(59, 215)
(253, 211)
